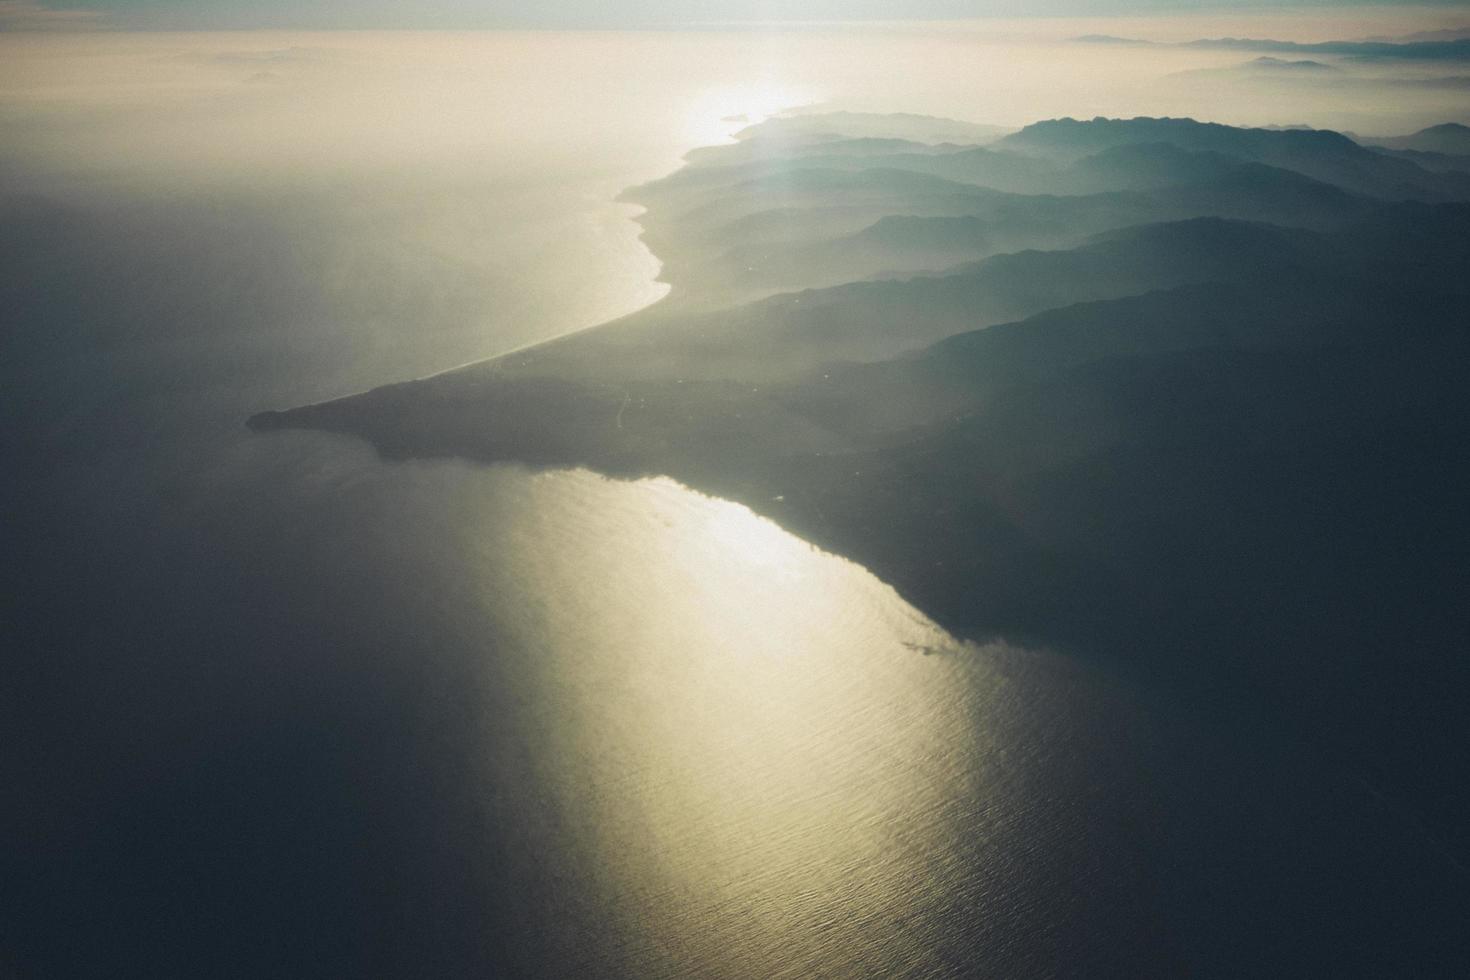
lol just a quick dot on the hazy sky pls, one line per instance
(80, 14)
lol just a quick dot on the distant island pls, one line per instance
(1266, 68)
(1187, 398)
(1447, 46)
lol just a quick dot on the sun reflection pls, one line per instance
(715, 115)
(745, 733)
(749, 540)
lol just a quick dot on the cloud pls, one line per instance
(26, 15)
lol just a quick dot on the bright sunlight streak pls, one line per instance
(717, 114)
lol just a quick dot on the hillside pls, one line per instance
(1197, 404)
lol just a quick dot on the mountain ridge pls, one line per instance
(1226, 455)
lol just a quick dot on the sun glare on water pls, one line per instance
(716, 114)
(751, 541)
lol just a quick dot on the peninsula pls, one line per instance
(1189, 398)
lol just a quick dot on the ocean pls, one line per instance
(276, 706)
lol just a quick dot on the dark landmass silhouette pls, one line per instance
(1443, 34)
(1263, 71)
(1443, 149)
(1447, 138)
(1444, 49)
(1189, 398)
(1273, 67)
(1267, 63)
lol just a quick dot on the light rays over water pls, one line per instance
(746, 733)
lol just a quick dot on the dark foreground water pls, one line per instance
(272, 707)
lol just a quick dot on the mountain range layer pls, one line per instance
(1187, 398)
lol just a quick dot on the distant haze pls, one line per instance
(453, 14)
(432, 152)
